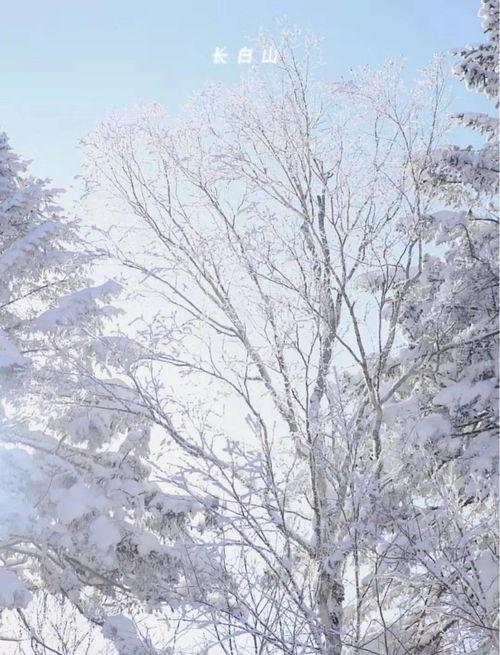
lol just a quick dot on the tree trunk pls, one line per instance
(330, 596)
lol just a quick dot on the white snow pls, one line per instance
(392, 412)
(9, 354)
(121, 631)
(75, 305)
(433, 425)
(464, 392)
(103, 533)
(74, 502)
(13, 593)
(26, 245)
(146, 542)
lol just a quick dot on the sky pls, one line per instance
(65, 65)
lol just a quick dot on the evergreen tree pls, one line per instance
(448, 413)
(80, 516)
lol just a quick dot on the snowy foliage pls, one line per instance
(478, 65)
(308, 276)
(467, 173)
(448, 412)
(294, 447)
(122, 632)
(12, 591)
(80, 516)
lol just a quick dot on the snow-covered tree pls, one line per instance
(445, 539)
(470, 175)
(279, 232)
(294, 445)
(478, 64)
(80, 516)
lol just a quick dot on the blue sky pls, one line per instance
(64, 65)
